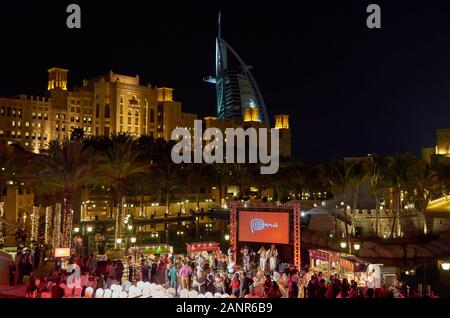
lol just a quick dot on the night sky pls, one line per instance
(349, 90)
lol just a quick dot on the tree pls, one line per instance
(67, 167)
(339, 175)
(117, 164)
(199, 179)
(398, 174)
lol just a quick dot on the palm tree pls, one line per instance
(398, 174)
(358, 174)
(221, 175)
(117, 164)
(375, 169)
(167, 176)
(340, 176)
(67, 167)
(199, 179)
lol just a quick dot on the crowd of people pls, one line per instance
(26, 261)
(260, 275)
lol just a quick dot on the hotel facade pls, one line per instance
(108, 104)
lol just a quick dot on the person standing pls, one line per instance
(91, 264)
(262, 258)
(57, 290)
(37, 256)
(12, 272)
(273, 258)
(173, 276)
(185, 271)
(235, 284)
(245, 258)
(144, 271)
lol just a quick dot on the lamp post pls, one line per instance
(89, 231)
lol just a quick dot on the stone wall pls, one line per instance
(364, 221)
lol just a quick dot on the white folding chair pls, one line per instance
(184, 293)
(107, 293)
(88, 292)
(99, 293)
(193, 294)
(217, 295)
(123, 294)
(115, 294)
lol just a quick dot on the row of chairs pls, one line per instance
(146, 290)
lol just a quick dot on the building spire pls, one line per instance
(219, 24)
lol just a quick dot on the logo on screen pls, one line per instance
(259, 225)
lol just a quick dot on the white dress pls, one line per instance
(262, 259)
(273, 260)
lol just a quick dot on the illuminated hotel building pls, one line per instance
(108, 104)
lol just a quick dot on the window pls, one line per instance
(19, 134)
(14, 112)
(1, 132)
(78, 109)
(13, 133)
(8, 112)
(84, 120)
(107, 111)
(19, 124)
(72, 109)
(129, 120)
(3, 111)
(106, 131)
(121, 108)
(97, 110)
(39, 125)
(26, 144)
(57, 116)
(63, 128)
(77, 119)
(57, 127)
(136, 121)
(27, 124)
(121, 119)
(19, 112)
(72, 119)
(13, 123)
(27, 134)
(45, 116)
(39, 116)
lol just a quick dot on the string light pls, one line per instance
(57, 226)
(48, 220)
(35, 224)
(2, 210)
